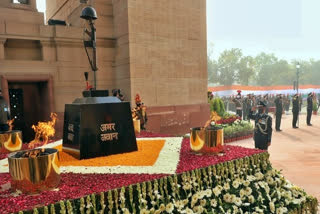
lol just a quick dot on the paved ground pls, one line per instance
(296, 152)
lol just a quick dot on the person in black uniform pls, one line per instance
(265, 100)
(249, 105)
(245, 107)
(309, 108)
(279, 109)
(295, 110)
(4, 114)
(263, 127)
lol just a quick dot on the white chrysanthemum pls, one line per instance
(246, 183)
(232, 198)
(203, 202)
(251, 178)
(296, 201)
(272, 207)
(125, 211)
(281, 210)
(227, 198)
(248, 191)
(236, 184)
(216, 191)
(235, 209)
(187, 186)
(162, 207)
(200, 209)
(194, 198)
(208, 193)
(188, 211)
(226, 186)
(213, 203)
(157, 212)
(185, 202)
(242, 193)
(259, 210)
(144, 211)
(238, 202)
(179, 204)
(251, 199)
(270, 180)
(259, 176)
(195, 209)
(202, 194)
(169, 208)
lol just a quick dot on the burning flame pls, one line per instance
(43, 131)
(10, 123)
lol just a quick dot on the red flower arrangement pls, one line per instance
(228, 120)
(75, 186)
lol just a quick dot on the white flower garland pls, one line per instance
(166, 163)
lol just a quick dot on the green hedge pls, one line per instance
(217, 105)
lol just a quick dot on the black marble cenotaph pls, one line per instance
(98, 126)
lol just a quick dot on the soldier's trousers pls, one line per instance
(245, 115)
(309, 113)
(261, 145)
(295, 119)
(239, 113)
(278, 120)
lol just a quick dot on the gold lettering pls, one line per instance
(70, 137)
(109, 136)
(108, 127)
(71, 128)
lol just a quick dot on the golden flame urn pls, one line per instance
(33, 171)
(207, 140)
(11, 140)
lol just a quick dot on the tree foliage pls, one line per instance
(232, 67)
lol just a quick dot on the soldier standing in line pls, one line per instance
(279, 109)
(263, 127)
(238, 102)
(309, 108)
(265, 100)
(295, 110)
(250, 104)
(245, 108)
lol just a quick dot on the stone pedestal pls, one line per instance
(101, 128)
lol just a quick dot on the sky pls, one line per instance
(288, 28)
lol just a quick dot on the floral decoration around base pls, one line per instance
(241, 181)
